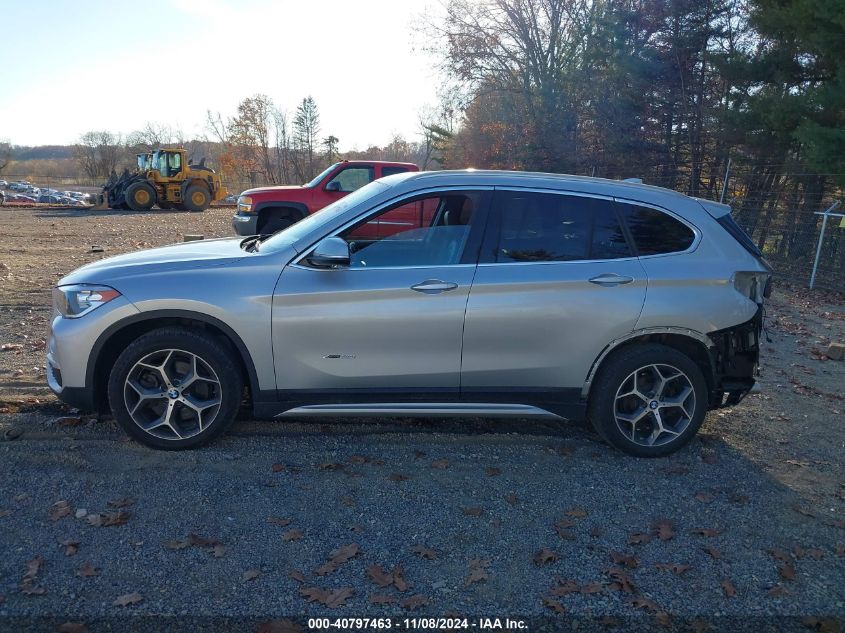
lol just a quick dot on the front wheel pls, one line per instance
(140, 196)
(648, 400)
(196, 198)
(174, 388)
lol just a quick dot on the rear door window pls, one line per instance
(550, 227)
(390, 170)
(655, 232)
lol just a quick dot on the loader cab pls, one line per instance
(144, 162)
(168, 163)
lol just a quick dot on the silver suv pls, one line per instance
(464, 293)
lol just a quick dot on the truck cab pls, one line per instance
(267, 210)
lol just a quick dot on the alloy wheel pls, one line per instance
(172, 394)
(654, 405)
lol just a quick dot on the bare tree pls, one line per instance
(99, 153)
(5, 154)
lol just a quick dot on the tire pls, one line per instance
(196, 198)
(663, 412)
(140, 196)
(275, 223)
(176, 416)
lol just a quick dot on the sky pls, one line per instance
(70, 67)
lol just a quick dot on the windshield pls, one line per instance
(297, 231)
(322, 175)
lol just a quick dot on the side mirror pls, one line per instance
(334, 185)
(331, 252)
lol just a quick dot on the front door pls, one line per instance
(390, 325)
(556, 282)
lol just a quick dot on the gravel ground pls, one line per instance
(481, 518)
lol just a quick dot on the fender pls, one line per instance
(693, 334)
(153, 315)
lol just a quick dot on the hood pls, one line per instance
(257, 190)
(199, 254)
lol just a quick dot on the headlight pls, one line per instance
(244, 204)
(74, 301)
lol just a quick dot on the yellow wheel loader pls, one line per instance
(166, 178)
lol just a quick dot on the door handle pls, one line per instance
(434, 286)
(610, 279)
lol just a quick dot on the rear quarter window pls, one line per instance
(655, 232)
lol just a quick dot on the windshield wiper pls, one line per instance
(250, 244)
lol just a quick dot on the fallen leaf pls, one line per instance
(704, 496)
(424, 552)
(29, 589)
(250, 574)
(281, 522)
(440, 464)
(473, 512)
(781, 555)
(840, 549)
(292, 535)
(349, 502)
(331, 466)
(624, 560)
(418, 454)
(332, 598)
(663, 529)
(72, 627)
(493, 472)
(296, 575)
(728, 588)
(32, 569)
(87, 570)
(109, 518)
(477, 570)
(707, 532)
(358, 459)
(71, 547)
(218, 550)
(399, 579)
(379, 576)
(59, 510)
(544, 557)
(714, 553)
(778, 591)
(641, 602)
(822, 625)
(554, 605)
(786, 571)
(621, 580)
(608, 621)
(127, 599)
(177, 544)
(414, 602)
(382, 598)
(675, 568)
(639, 538)
(511, 498)
(595, 532)
(593, 587)
(277, 468)
(578, 513)
(397, 477)
(565, 587)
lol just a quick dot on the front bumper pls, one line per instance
(70, 343)
(245, 224)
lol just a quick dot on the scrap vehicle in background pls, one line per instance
(266, 210)
(165, 178)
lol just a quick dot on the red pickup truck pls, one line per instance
(269, 209)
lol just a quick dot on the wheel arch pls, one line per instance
(114, 339)
(295, 210)
(697, 346)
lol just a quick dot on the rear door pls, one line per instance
(556, 282)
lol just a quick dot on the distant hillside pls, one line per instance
(41, 152)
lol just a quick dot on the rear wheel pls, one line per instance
(174, 388)
(196, 198)
(140, 196)
(648, 400)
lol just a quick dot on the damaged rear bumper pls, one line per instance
(735, 357)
